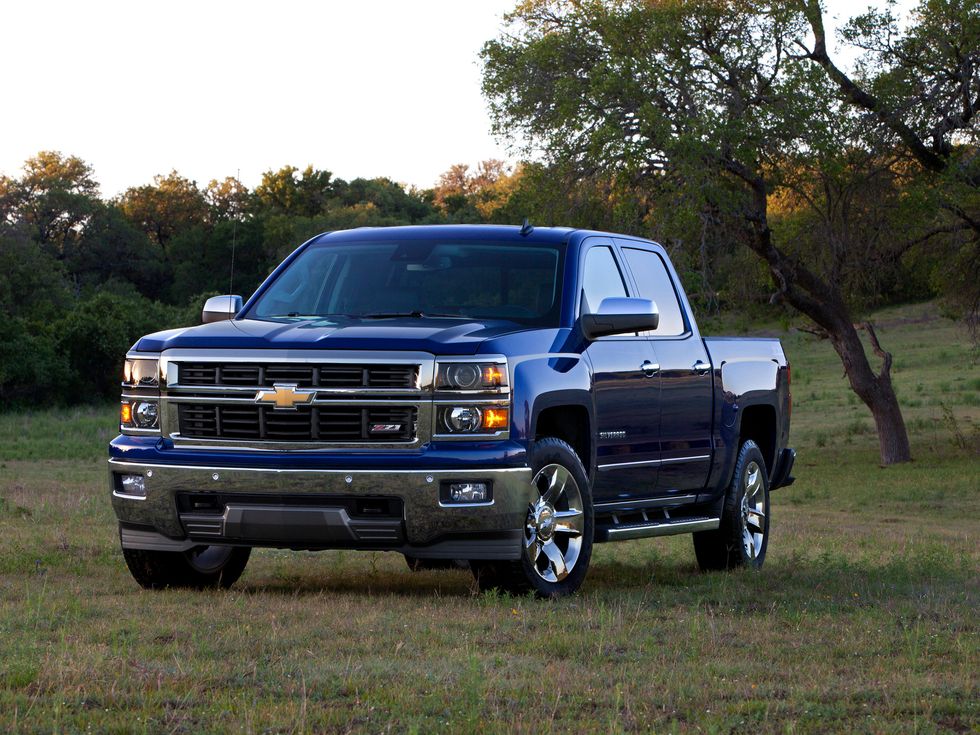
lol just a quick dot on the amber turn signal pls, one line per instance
(493, 377)
(125, 414)
(495, 418)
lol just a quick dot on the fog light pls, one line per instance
(466, 492)
(133, 485)
(145, 414)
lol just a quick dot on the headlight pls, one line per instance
(139, 415)
(473, 419)
(471, 376)
(139, 412)
(141, 374)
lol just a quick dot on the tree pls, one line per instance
(54, 197)
(282, 192)
(921, 86)
(389, 198)
(227, 199)
(480, 196)
(166, 207)
(112, 250)
(698, 97)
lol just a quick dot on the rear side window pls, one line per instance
(654, 283)
(601, 280)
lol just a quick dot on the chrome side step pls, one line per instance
(666, 527)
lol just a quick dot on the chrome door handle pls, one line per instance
(701, 367)
(649, 368)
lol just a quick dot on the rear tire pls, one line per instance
(199, 568)
(557, 540)
(743, 536)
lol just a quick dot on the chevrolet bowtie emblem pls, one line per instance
(285, 395)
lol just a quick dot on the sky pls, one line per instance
(211, 88)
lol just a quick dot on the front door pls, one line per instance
(626, 390)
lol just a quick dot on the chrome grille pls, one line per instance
(305, 424)
(304, 375)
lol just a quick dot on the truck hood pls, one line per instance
(438, 336)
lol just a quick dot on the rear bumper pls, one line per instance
(320, 508)
(782, 472)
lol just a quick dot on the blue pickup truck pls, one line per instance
(486, 396)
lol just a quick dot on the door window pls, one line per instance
(601, 280)
(654, 283)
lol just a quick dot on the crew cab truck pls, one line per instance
(503, 396)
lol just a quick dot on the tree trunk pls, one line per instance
(876, 391)
(822, 302)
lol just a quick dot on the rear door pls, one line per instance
(627, 398)
(685, 376)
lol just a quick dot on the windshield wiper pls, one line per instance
(410, 314)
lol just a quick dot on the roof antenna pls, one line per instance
(526, 228)
(234, 240)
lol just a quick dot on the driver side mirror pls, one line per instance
(620, 316)
(219, 308)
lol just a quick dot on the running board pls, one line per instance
(669, 527)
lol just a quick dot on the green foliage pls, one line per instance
(52, 198)
(96, 335)
(167, 206)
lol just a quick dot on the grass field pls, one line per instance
(864, 619)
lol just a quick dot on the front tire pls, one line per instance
(199, 568)
(558, 529)
(743, 536)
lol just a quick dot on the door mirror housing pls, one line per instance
(620, 316)
(220, 308)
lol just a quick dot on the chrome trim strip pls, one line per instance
(465, 505)
(252, 389)
(282, 470)
(463, 437)
(652, 462)
(463, 400)
(662, 529)
(127, 496)
(194, 442)
(497, 359)
(372, 357)
(250, 401)
(644, 503)
(134, 431)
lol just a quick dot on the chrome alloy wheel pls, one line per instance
(753, 511)
(555, 524)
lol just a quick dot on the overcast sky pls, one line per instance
(136, 88)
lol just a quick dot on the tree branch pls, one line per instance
(862, 98)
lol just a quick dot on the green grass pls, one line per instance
(863, 619)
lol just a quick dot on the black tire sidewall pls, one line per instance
(732, 517)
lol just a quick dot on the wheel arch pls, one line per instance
(570, 422)
(759, 423)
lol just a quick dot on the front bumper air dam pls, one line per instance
(428, 528)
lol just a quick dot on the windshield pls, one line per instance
(414, 279)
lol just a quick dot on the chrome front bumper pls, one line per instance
(258, 516)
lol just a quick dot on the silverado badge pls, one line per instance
(285, 395)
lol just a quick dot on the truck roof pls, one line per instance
(502, 233)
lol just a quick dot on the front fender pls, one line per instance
(545, 381)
